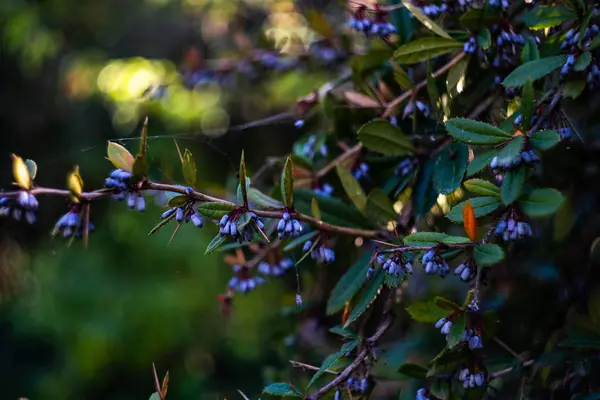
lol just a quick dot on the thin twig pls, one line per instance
(347, 154)
(507, 348)
(310, 367)
(505, 371)
(547, 111)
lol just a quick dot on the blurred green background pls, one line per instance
(78, 323)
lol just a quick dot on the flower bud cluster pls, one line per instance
(320, 253)
(422, 394)
(242, 282)
(434, 263)
(186, 212)
(466, 270)
(470, 379)
(406, 166)
(228, 227)
(309, 148)
(71, 224)
(511, 229)
(410, 107)
(326, 190)
(473, 339)
(120, 181)
(499, 165)
(359, 386)
(288, 227)
(275, 269)
(25, 204)
(361, 172)
(376, 26)
(397, 264)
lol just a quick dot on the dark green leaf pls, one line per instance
(456, 74)
(475, 18)
(481, 161)
(456, 332)
(344, 332)
(240, 193)
(595, 43)
(512, 149)
(401, 76)
(413, 370)
(161, 224)
(541, 202)
(283, 389)
(348, 285)
(316, 212)
(262, 200)
(544, 140)
(383, 137)
(243, 220)
(430, 239)
(445, 303)
(527, 104)
(475, 132)
(450, 168)
(429, 24)
(242, 186)
(582, 61)
(299, 240)
(533, 70)
(574, 88)
(287, 183)
(427, 311)
(482, 206)
(188, 168)
(333, 211)
(379, 206)
(215, 243)
(424, 49)
(512, 185)
(530, 51)
(215, 209)
(541, 17)
(178, 200)
(482, 187)
(366, 299)
(347, 347)
(352, 188)
(488, 254)
(424, 194)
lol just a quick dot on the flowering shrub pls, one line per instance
(419, 181)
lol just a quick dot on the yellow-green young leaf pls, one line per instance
(512, 185)
(316, 212)
(475, 132)
(368, 297)
(287, 183)
(445, 303)
(482, 187)
(385, 138)
(75, 184)
(541, 202)
(214, 209)
(482, 206)
(352, 188)
(533, 71)
(120, 157)
(242, 186)
(429, 24)
(488, 254)
(188, 168)
(21, 172)
(32, 167)
(424, 49)
(427, 311)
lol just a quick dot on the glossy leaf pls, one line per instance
(481, 161)
(512, 148)
(475, 132)
(424, 194)
(344, 332)
(283, 389)
(243, 220)
(352, 188)
(424, 49)
(425, 20)
(333, 211)
(427, 311)
(21, 172)
(401, 76)
(120, 157)
(178, 200)
(533, 71)
(430, 239)
(512, 185)
(347, 347)
(541, 202)
(482, 187)
(482, 206)
(287, 183)
(188, 168)
(348, 285)
(582, 62)
(544, 140)
(383, 137)
(530, 51)
(368, 296)
(488, 254)
(379, 206)
(450, 168)
(445, 303)
(215, 209)
(456, 75)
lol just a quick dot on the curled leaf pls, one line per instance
(21, 172)
(75, 184)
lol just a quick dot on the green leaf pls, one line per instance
(424, 194)
(563, 221)
(582, 61)
(299, 240)
(316, 212)
(287, 183)
(488, 254)
(215, 243)
(541, 17)
(344, 332)
(530, 51)
(348, 285)
(450, 168)
(484, 39)
(424, 49)
(240, 194)
(333, 211)
(430, 239)
(32, 168)
(595, 43)
(541, 202)
(512, 185)
(379, 206)
(482, 187)
(401, 76)
(481, 161)
(432, 90)
(482, 206)
(178, 200)
(369, 295)
(427, 311)
(429, 24)
(475, 132)
(140, 164)
(527, 104)
(188, 168)
(283, 389)
(333, 358)
(413, 370)
(243, 188)
(243, 220)
(456, 332)
(544, 140)
(475, 18)
(262, 200)
(446, 304)
(533, 70)
(120, 156)
(383, 137)
(154, 396)
(215, 209)
(352, 188)
(512, 149)
(574, 88)
(456, 74)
